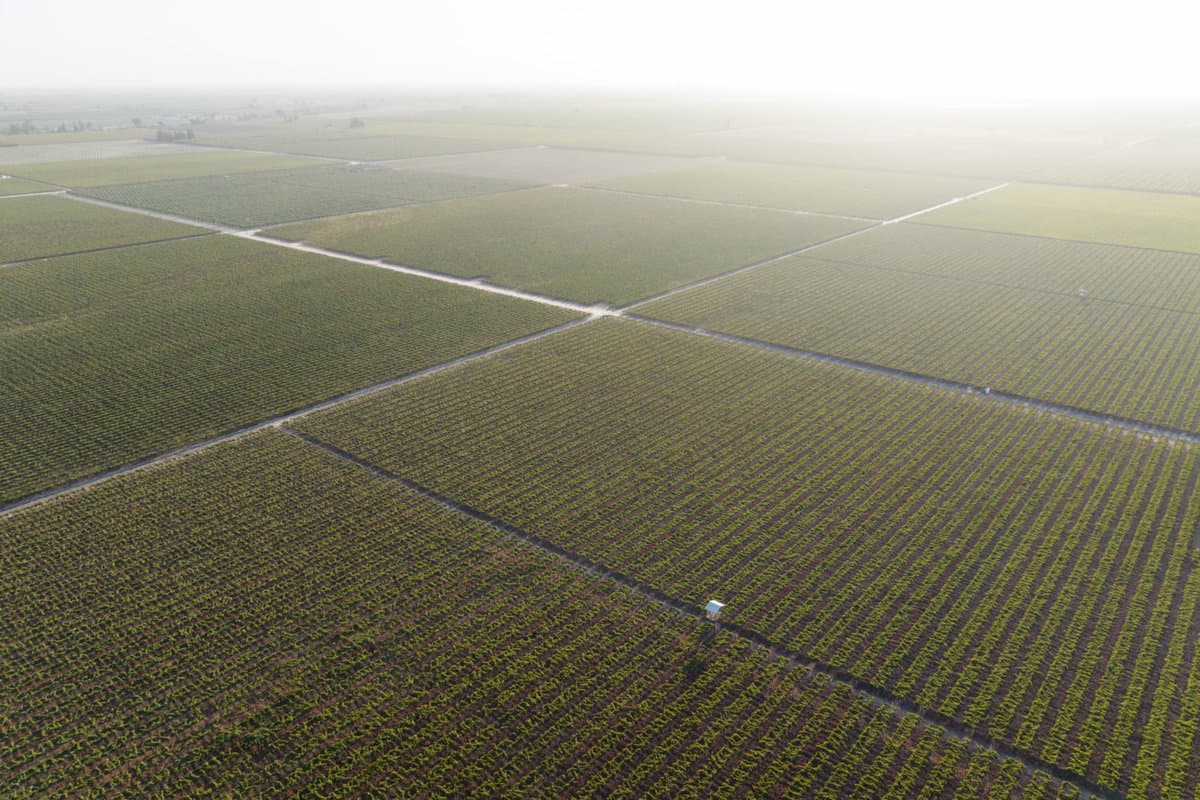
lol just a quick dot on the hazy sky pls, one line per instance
(922, 49)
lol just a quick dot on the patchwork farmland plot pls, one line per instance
(578, 244)
(1125, 360)
(291, 623)
(1106, 273)
(1161, 163)
(34, 227)
(254, 199)
(881, 195)
(343, 142)
(542, 165)
(11, 158)
(10, 186)
(1028, 575)
(193, 163)
(114, 356)
(1136, 219)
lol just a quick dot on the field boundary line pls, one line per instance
(598, 310)
(212, 226)
(727, 203)
(252, 234)
(1000, 285)
(950, 202)
(341, 160)
(1112, 421)
(877, 697)
(46, 193)
(747, 267)
(802, 250)
(279, 419)
(18, 262)
(1060, 239)
(415, 204)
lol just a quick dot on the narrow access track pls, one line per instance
(872, 225)
(591, 312)
(878, 697)
(994, 395)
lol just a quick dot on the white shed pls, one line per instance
(713, 609)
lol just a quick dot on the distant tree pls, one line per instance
(357, 123)
(137, 122)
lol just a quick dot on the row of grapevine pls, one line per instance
(1128, 360)
(264, 618)
(110, 357)
(1107, 272)
(1024, 574)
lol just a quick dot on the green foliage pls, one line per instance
(34, 227)
(114, 356)
(806, 188)
(1113, 357)
(197, 630)
(1018, 573)
(11, 186)
(1137, 219)
(253, 199)
(169, 165)
(584, 245)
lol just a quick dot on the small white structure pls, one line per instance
(713, 610)
(1082, 293)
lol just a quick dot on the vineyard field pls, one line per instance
(136, 169)
(1105, 216)
(1028, 575)
(254, 199)
(1125, 360)
(1165, 163)
(863, 193)
(10, 186)
(265, 618)
(35, 227)
(40, 149)
(573, 243)
(546, 165)
(1150, 278)
(114, 356)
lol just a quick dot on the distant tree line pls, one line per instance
(28, 127)
(174, 134)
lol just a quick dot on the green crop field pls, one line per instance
(136, 169)
(862, 193)
(34, 227)
(546, 165)
(369, 143)
(10, 186)
(290, 623)
(1136, 219)
(254, 199)
(1104, 272)
(1030, 576)
(12, 158)
(118, 355)
(585, 245)
(1115, 358)
(1164, 163)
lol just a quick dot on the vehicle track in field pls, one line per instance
(877, 697)
(985, 393)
